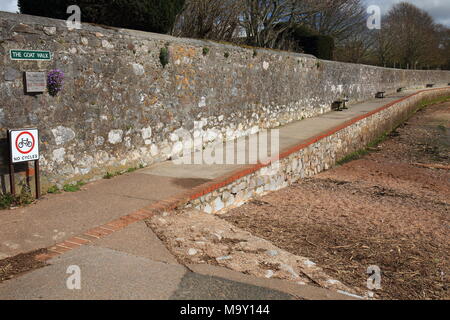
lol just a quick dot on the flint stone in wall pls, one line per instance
(24, 28)
(50, 31)
(138, 69)
(63, 135)
(11, 74)
(115, 136)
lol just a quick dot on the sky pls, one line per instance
(439, 9)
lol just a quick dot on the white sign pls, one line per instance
(24, 145)
(35, 82)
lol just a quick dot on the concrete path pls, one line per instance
(133, 263)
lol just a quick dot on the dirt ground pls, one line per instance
(390, 209)
(22, 263)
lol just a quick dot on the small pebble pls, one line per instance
(269, 274)
(309, 263)
(217, 236)
(332, 282)
(224, 258)
(272, 253)
(192, 252)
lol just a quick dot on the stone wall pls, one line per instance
(313, 159)
(121, 108)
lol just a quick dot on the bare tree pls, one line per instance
(341, 20)
(209, 19)
(265, 20)
(357, 47)
(414, 33)
(383, 47)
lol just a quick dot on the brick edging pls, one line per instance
(199, 191)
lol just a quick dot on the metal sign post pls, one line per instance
(24, 147)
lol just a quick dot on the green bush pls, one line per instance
(320, 46)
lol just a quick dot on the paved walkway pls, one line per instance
(155, 273)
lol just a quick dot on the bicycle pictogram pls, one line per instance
(25, 142)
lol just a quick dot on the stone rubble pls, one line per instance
(192, 237)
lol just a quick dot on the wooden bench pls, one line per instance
(337, 105)
(380, 94)
(430, 85)
(340, 105)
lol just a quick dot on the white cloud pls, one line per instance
(9, 5)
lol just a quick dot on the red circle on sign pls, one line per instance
(17, 142)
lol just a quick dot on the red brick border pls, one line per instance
(197, 192)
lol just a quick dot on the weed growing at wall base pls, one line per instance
(7, 200)
(74, 187)
(362, 152)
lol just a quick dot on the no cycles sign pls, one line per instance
(24, 145)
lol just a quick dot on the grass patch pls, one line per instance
(353, 156)
(378, 140)
(358, 154)
(74, 187)
(53, 190)
(110, 175)
(428, 102)
(362, 152)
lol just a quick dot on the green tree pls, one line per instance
(146, 15)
